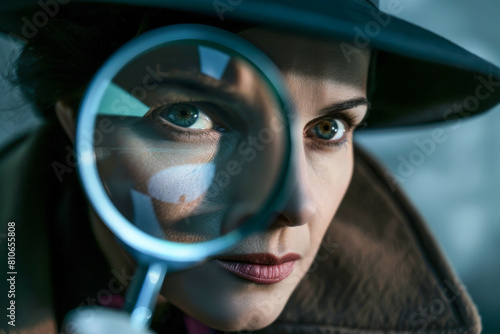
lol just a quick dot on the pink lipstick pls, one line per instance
(264, 268)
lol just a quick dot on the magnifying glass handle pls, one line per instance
(100, 320)
(143, 293)
(135, 319)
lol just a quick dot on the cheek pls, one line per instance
(158, 187)
(330, 176)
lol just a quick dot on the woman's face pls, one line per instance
(322, 85)
(329, 94)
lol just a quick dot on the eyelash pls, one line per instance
(318, 144)
(172, 129)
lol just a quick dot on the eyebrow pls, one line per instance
(334, 108)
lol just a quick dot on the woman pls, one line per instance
(373, 268)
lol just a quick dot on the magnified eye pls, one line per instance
(186, 115)
(328, 129)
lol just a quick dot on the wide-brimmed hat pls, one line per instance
(416, 76)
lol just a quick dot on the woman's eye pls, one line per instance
(329, 129)
(186, 115)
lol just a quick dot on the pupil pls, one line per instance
(182, 114)
(326, 129)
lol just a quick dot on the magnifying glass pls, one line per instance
(183, 146)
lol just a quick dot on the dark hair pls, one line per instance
(59, 61)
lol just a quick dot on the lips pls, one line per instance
(264, 268)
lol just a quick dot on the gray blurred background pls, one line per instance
(457, 188)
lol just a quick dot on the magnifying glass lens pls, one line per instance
(188, 141)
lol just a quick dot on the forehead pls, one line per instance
(312, 58)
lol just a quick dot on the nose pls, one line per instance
(300, 206)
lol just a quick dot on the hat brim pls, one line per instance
(416, 76)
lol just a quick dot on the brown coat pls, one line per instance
(378, 269)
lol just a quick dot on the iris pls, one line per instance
(327, 129)
(181, 114)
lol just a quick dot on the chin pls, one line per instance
(249, 318)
